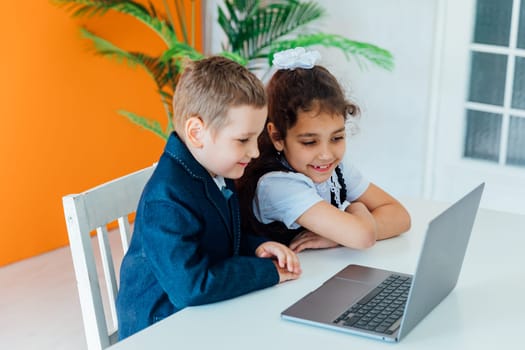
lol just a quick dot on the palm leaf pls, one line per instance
(227, 22)
(181, 50)
(162, 69)
(234, 57)
(175, 58)
(167, 98)
(163, 73)
(361, 52)
(249, 35)
(150, 18)
(247, 6)
(153, 66)
(148, 124)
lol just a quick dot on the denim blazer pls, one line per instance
(187, 248)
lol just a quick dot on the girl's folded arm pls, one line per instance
(354, 228)
(391, 217)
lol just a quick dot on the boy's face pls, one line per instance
(315, 145)
(228, 150)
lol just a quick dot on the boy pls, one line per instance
(187, 248)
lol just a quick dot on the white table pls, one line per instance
(486, 310)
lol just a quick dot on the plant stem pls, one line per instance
(181, 14)
(193, 23)
(170, 17)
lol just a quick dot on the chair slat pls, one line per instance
(85, 272)
(84, 213)
(125, 232)
(109, 274)
(125, 193)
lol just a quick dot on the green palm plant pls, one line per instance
(255, 32)
(254, 29)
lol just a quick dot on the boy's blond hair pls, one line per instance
(208, 88)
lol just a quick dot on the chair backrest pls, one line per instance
(89, 212)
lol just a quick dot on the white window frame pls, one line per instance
(448, 174)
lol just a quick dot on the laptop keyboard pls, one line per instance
(381, 309)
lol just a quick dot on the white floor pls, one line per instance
(39, 307)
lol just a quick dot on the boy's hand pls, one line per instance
(287, 263)
(310, 240)
(284, 274)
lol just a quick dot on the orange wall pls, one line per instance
(60, 132)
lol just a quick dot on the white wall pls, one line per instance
(390, 148)
(391, 145)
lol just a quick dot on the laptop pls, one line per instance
(387, 305)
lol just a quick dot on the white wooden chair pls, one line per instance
(90, 212)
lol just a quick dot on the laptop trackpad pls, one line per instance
(328, 301)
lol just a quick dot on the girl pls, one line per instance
(297, 192)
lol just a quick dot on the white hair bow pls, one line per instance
(296, 58)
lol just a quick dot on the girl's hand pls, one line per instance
(310, 240)
(287, 263)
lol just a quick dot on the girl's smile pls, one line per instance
(322, 168)
(315, 145)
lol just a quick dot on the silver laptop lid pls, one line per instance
(440, 259)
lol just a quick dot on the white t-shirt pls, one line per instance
(284, 196)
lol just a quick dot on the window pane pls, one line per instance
(493, 22)
(487, 78)
(518, 93)
(516, 141)
(521, 30)
(482, 139)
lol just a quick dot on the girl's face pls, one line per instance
(315, 145)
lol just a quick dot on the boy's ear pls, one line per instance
(194, 130)
(275, 136)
